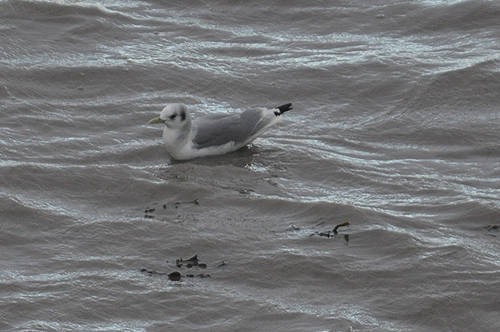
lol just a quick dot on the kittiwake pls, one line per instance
(213, 134)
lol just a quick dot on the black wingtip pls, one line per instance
(283, 108)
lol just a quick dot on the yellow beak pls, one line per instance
(155, 120)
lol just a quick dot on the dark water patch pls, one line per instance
(54, 12)
(459, 16)
(433, 17)
(59, 30)
(434, 112)
(28, 220)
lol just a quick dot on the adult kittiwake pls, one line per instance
(213, 134)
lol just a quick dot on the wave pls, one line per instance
(56, 11)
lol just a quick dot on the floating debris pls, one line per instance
(193, 261)
(177, 204)
(201, 275)
(180, 263)
(492, 228)
(174, 276)
(151, 272)
(148, 211)
(340, 225)
(333, 232)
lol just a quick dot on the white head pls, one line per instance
(174, 116)
(176, 134)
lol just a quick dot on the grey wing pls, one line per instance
(215, 130)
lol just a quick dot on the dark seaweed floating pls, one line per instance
(177, 204)
(152, 272)
(340, 225)
(188, 263)
(492, 228)
(330, 234)
(193, 261)
(201, 275)
(174, 276)
(147, 271)
(148, 211)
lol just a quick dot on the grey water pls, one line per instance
(395, 130)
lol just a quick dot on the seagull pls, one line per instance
(213, 134)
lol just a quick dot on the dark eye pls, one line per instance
(173, 116)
